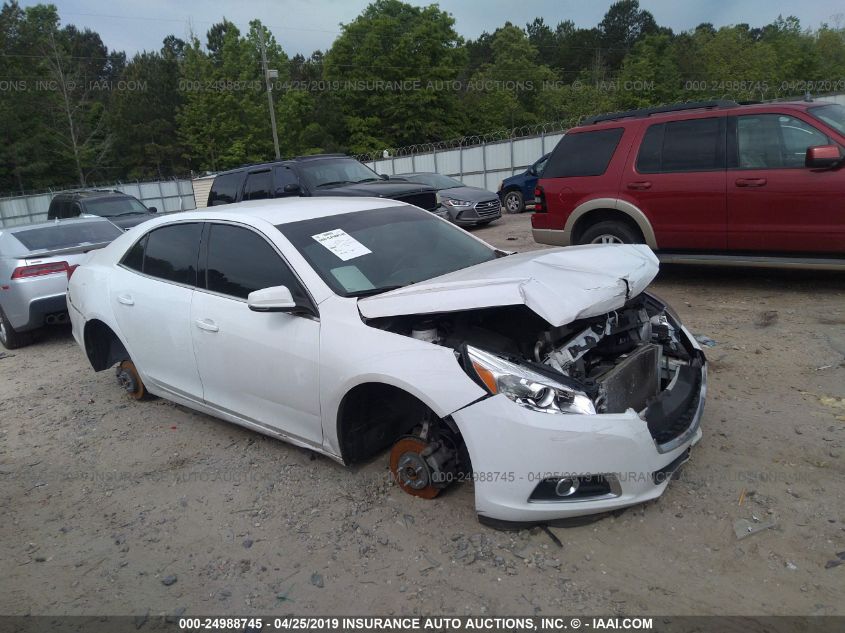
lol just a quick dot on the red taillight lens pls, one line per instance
(539, 200)
(38, 270)
(70, 270)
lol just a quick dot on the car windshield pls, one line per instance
(434, 180)
(67, 234)
(833, 114)
(322, 173)
(114, 206)
(368, 252)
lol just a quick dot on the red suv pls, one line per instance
(701, 180)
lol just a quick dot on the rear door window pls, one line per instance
(224, 189)
(240, 261)
(134, 258)
(171, 253)
(683, 146)
(259, 185)
(583, 154)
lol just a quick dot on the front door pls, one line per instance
(775, 203)
(261, 366)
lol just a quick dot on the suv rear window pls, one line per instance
(678, 146)
(224, 189)
(583, 154)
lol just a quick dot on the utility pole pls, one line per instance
(268, 75)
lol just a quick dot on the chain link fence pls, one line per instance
(481, 160)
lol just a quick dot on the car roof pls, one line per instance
(682, 111)
(284, 161)
(285, 210)
(93, 193)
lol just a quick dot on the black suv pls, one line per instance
(319, 175)
(119, 208)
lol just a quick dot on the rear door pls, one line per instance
(262, 366)
(151, 291)
(677, 178)
(775, 203)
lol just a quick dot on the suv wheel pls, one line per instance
(610, 232)
(8, 337)
(513, 202)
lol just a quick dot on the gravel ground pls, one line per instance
(114, 506)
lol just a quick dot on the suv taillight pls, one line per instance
(39, 270)
(539, 200)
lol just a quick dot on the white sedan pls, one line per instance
(350, 326)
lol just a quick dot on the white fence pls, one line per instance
(483, 165)
(167, 196)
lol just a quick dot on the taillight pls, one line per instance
(39, 270)
(70, 270)
(539, 200)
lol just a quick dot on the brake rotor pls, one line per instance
(130, 380)
(409, 468)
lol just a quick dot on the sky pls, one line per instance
(302, 26)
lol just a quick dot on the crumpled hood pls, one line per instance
(560, 285)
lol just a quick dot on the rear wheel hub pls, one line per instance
(128, 378)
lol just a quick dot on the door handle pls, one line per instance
(641, 184)
(207, 325)
(126, 300)
(750, 182)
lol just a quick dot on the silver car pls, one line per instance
(36, 261)
(465, 206)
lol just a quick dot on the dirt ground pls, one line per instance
(111, 506)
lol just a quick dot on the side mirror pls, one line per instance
(275, 299)
(152, 209)
(292, 187)
(822, 156)
(384, 176)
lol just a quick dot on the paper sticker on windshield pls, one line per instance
(342, 244)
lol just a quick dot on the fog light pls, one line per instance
(582, 488)
(567, 487)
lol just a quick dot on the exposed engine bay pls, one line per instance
(634, 357)
(620, 359)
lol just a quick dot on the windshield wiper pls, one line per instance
(376, 291)
(120, 215)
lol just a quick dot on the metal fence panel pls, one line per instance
(167, 196)
(479, 164)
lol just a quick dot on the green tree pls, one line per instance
(143, 114)
(416, 54)
(507, 91)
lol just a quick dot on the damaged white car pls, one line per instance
(352, 326)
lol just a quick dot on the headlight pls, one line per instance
(527, 388)
(458, 204)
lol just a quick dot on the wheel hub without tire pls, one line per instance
(410, 469)
(128, 378)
